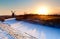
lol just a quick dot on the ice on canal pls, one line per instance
(36, 30)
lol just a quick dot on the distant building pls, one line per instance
(13, 13)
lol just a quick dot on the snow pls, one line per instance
(36, 30)
(5, 35)
(10, 19)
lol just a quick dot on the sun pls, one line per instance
(43, 10)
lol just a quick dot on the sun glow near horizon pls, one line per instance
(43, 10)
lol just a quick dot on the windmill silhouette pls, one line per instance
(13, 13)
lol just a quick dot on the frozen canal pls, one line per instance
(39, 31)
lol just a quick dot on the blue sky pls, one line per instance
(25, 5)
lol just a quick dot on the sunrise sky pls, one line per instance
(29, 6)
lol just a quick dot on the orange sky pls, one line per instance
(29, 6)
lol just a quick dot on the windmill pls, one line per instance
(13, 13)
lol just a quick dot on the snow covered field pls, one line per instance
(5, 35)
(39, 31)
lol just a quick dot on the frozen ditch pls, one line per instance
(33, 30)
